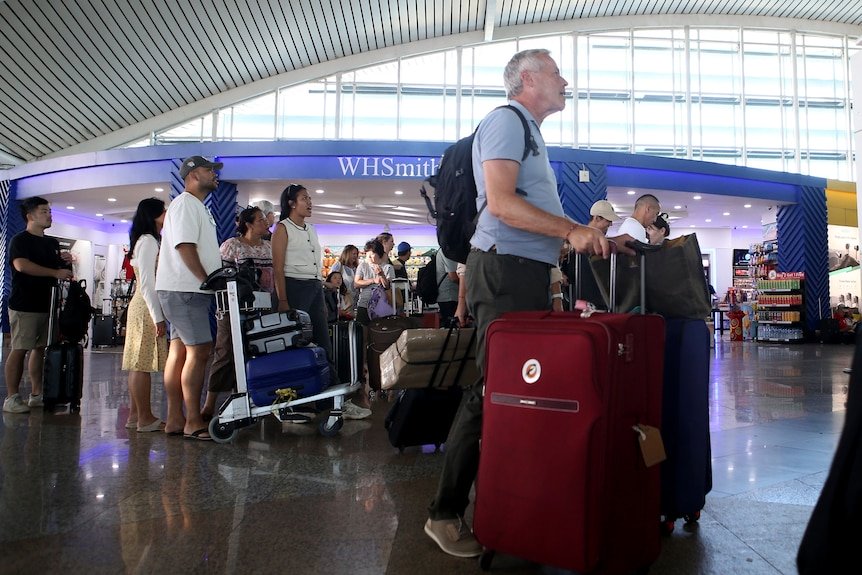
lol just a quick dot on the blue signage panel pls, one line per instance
(328, 167)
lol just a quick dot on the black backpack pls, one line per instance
(426, 282)
(74, 318)
(455, 193)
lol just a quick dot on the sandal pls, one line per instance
(199, 435)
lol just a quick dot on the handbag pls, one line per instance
(675, 282)
(378, 305)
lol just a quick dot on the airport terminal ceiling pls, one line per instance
(88, 76)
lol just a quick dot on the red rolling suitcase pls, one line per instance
(562, 480)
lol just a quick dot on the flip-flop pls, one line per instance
(131, 425)
(199, 435)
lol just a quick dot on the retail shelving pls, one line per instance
(779, 307)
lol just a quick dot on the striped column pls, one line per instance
(11, 223)
(803, 246)
(578, 197)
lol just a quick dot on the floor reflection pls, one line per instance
(83, 494)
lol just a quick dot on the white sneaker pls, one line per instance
(353, 411)
(35, 400)
(14, 404)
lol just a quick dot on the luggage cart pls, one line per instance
(239, 410)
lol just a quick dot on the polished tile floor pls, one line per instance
(80, 494)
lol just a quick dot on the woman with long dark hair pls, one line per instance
(296, 258)
(145, 349)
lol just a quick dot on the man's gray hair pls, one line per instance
(265, 206)
(525, 60)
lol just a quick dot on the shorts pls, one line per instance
(189, 315)
(29, 329)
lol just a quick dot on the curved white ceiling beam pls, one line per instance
(590, 25)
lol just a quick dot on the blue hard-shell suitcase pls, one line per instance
(686, 475)
(305, 369)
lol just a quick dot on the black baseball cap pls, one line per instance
(193, 162)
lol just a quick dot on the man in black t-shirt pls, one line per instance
(36, 264)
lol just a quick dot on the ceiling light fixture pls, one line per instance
(707, 220)
(726, 214)
(158, 189)
(745, 227)
(630, 192)
(124, 221)
(398, 192)
(70, 207)
(677, 207)
(698, 197)
(747, 206)
(112, 199)
(318, 191)
(99, 215)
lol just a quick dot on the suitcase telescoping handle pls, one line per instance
(641, 249)
(54, 314)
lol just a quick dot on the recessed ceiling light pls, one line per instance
(677, 207)
(70, 207)
(747, 206)
(744, 227)
(124, 221)
(112, 199)
(707, 220)
(99, 215)
(159, 189)
(318, 191)
(691, 226)
(726, 214)
(631, 192)
(697, 197)
(398, 192)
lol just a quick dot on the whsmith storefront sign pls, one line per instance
(387, 167)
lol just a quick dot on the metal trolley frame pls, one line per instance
(239, 410)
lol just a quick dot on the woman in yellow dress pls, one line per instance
(145, 349)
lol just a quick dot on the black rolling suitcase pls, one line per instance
(63, 372)
(686, 474)
(423, 416)
(340, 336)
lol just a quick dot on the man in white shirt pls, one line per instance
(647, 208)
(188, 254)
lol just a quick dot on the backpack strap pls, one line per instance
(530, 145)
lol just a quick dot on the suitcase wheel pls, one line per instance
(692, 517)
(75, 407)
(666, 526)
(485, 559)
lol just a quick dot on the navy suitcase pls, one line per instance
(304, 369)
(686, 474)
(423, 416)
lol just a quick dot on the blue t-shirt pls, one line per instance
(501, 137)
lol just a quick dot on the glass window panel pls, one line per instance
(762, 67)
(717, 68)
(720, 125)
(483, 65)
(763, 126)
(605, 122)
(375, 117)
(717, 34)
(385, 73)
(301, 110)
(760, 36)
(821, 73)
(190, 131)
(422, 116)
(255, 119)
(426, 69)
(824, 128)
(608, 64)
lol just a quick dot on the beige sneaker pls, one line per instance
(14, 404)
(453, 537)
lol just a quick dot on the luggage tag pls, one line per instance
(652, 447)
